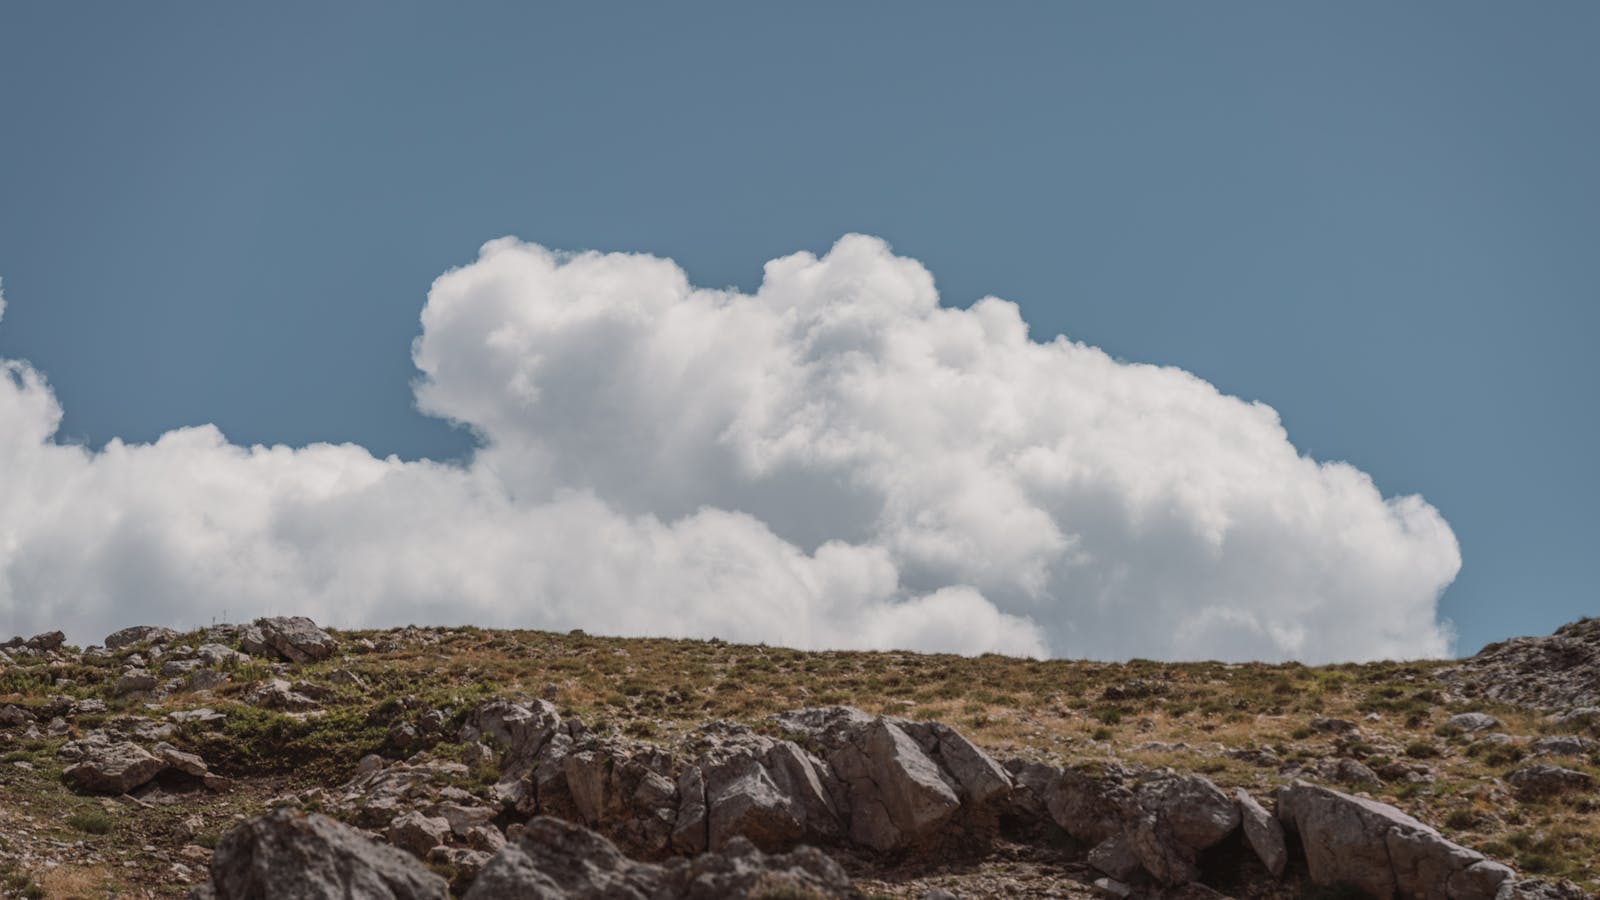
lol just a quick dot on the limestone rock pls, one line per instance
(113, 768)
(1554, 672)
(1471, 722)
(1544, 780)
(1263, 833)
(290, 855)
(295, 639)
(1380, 849)
(557, 860)
(187, 763)
(416, 833)
(138, 634)
(1562, 745)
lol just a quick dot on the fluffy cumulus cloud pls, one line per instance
(833, 461)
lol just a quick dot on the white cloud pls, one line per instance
(833, 461)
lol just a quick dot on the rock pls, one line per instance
(1263, 833)
(133, 681)
(187, 763)
(897, 795)
(1334, 726)
(1179, 816)
(1471, 722)
(1554, 672)
(462, 818)
(557, 860)
(1536, 889)
(138, 634)
(1090, 806)
(1543, 780)
(1562, 745)
(277, 693)
(50, 640)
(485, 837)
(113, 768)
(295, 639)
(200, 715)
(290, 855)
(14, 716)
(1379, 849)
(206, 680)
(417, 834)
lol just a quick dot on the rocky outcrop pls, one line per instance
(557, 860)
(1558, 672)
(138, 634)
(297, 856)
(294, 639)
(1381, 850)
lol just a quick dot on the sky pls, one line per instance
(1287, 351)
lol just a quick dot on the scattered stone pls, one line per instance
(277, 693)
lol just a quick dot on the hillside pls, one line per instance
(125, 766)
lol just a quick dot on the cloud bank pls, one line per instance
(833, 461)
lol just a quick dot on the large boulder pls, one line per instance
(113, 768)
(296, 639)
(897, 794)
(289, 855)
(557, 860)
(1381, 850)
(1177, 817)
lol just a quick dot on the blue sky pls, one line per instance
(1379, 219)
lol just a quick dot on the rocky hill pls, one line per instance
(279, 759)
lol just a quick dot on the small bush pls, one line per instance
(91, 821)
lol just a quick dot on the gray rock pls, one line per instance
(277, 693)
(1544, 780)
(14, 716)
(1562, 745)
(294, 856)
(50, 640)
(556, 860)
(187, 763)
(133, 681)
(113, 768)
(897, 795)
(1263, 833)
(138, 634)
(295, 639)
(416, 833)
(1380, 849)
(1471, 722)
(1179, 816)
